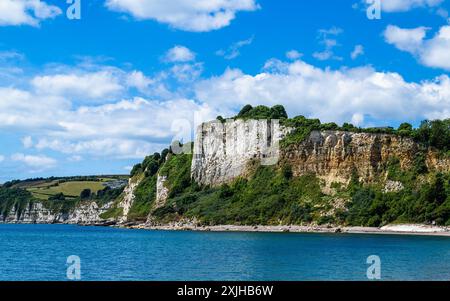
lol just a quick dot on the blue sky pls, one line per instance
(95, 95)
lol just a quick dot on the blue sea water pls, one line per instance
(39, 252)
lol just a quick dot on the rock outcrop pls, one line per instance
(162, 192)
(128, 198)
(37, 213)
(222, 150)
(336, 155)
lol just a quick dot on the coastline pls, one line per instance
(410, 229)
(400, 229)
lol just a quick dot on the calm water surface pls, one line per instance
(39, 252)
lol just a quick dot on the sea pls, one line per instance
(76, 253)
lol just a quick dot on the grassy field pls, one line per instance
(69, 189)
(43, 189)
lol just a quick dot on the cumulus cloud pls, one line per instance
(138, 80)
(406, 5)
(327, 37)
(129, 128)
(234, 50)
(20, 109)
(349, 94)
(10, 55)
(357, 51)
(27, 141)
(293, 54)
(406, 39)
(133, 125)
(186, 73)
(26, 12)
(99, 109)
(433, 52)
(188, 15)
(91, 85)
(40, 162)
(75, 158)
(179, 54)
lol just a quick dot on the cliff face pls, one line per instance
(162, 192)
(336, 155)
(87, 213)
(222, 150)
(128, 199)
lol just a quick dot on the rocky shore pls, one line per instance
(410, 229)
(400, 229)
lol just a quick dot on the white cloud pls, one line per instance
(27, 142)
(2, 158)
(406, 39)
(101, 147)
(117, 123)
(187, 72)
(138, 80)
(406, 5)
(129, 126)
(90, 85)
(434, 52)
(189, 15)
(21, 109)
(127, 129)
(26, 12)
(327, 38)
(35, 161)
(179, 54)
(293, 54)
(324, 55)
(348, 94)
(357, 119)
(357, 51)
(10, 55)
(75, 158)
(234, 50)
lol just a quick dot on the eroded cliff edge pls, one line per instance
(243, 173)
(222, 152)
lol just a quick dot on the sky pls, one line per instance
(92, 87)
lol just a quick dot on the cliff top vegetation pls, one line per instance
(430, 133)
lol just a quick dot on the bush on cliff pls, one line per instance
(177, 169)
(434, 133)
(145, 192)
(267, 197)
(14, 198)
(417, 203)
(262, 112)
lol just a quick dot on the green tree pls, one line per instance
(405, 129)
(245, 110)
(278, 112)
(85, 194)
(57, 197)
(136, 169)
